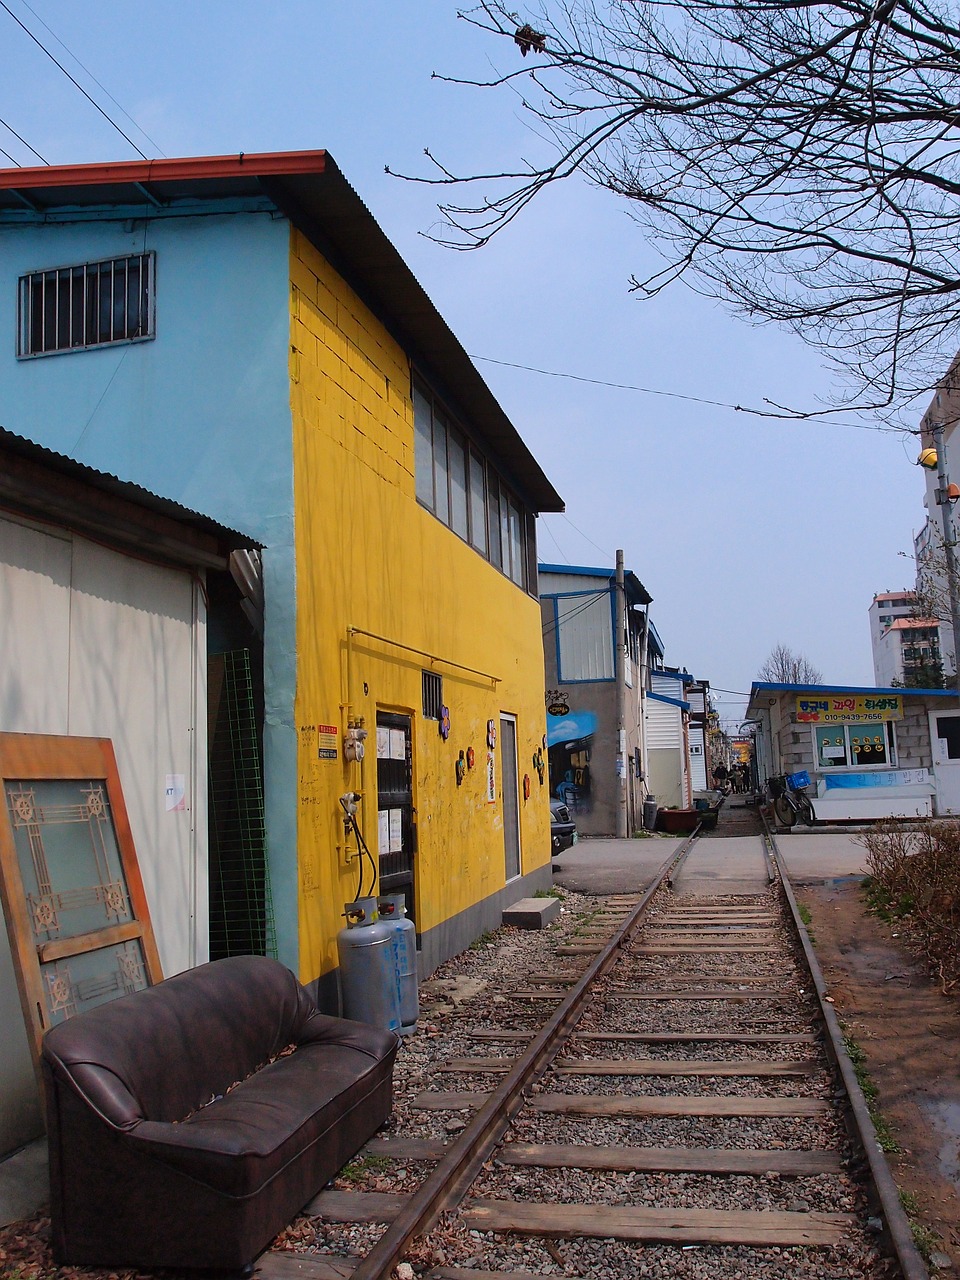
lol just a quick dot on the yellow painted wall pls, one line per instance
(369, 557)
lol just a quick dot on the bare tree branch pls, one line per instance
(798, 160)
(783, 666)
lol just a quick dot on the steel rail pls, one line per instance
(896, 1225)
(681, 855)
(456, 1171)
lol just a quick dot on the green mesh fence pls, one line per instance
(241, 908)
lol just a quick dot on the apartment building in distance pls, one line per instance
(906, 646)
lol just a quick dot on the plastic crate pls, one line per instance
(797, 780)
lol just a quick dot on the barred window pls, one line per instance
(432, 695)
(87, 306)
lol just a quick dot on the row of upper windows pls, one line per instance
(456, 482)
(913, 635)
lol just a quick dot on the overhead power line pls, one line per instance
(103, 89)
(591, 599)
(563, 516)
(780, 415)
(93, 102)
(11, 129)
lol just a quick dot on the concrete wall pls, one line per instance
(795, 741)
(262, 352)
(370, 557)
(578, 615)
(200, 414)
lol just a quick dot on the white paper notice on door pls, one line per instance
(396, 830)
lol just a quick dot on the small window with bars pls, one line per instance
(68, 308)
(432, 695)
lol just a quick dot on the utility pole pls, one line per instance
(945, 503)
(621, 674)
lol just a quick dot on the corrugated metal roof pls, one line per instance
(113, 484)
(764, 686)
(673, 702)
(309, 189)
(43, 484)
(635, 590)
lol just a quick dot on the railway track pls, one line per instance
(662, 1092)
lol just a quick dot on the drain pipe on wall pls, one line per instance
(621, 674)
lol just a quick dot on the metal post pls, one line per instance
(949, 542)
(621, 673)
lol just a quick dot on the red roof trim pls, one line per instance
(906, 624)
(245, 163)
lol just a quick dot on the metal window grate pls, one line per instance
(432, 695)
(91, 305)
(241, 906)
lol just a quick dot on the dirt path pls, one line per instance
(910, 1034)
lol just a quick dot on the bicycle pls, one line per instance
(790, 799)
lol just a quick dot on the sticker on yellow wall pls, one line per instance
(327, 739)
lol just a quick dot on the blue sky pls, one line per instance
(747, 532)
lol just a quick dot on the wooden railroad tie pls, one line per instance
(625, 1105)
(658, 1037)
(721, 938)
(665, 1226)
(645, 1067)
(710, 1160)
(692, 993)
(617, 993)
(278, 1264)
(618, 1222)
(689, 949)
(739, 978)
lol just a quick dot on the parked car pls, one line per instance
(563, 830)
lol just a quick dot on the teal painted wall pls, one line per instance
(200, 414)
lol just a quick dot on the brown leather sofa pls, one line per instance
(178, 1136)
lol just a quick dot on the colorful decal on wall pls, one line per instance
(328, 740)
(526, 786)
(569, 745)
(491, 734)
(471, 758)
(557, 704)
(444, 723)
(461, 768)
(837, 708)
(491, 778)
(175, 793)
(538, 764)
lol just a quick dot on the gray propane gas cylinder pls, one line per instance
(393, 912)
(368, 981)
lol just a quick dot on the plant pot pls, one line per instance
(677, 821)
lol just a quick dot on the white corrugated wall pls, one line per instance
(98, 644)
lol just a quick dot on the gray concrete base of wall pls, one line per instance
(24, 1183)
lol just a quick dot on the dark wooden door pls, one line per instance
(396, 830)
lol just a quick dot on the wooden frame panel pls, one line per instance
(39, 758)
